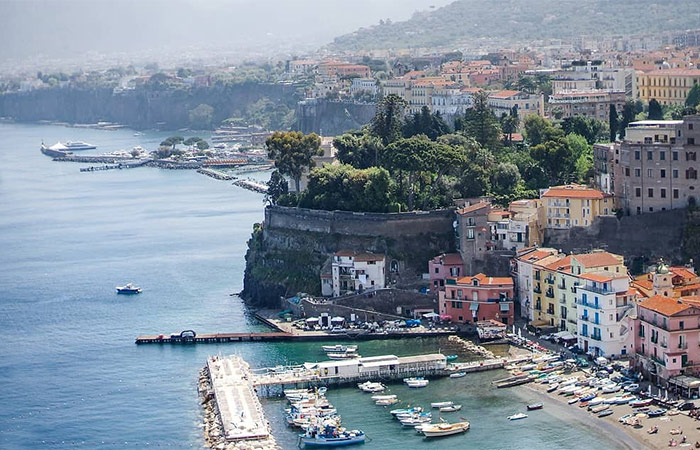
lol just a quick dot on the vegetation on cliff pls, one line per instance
(522, 20)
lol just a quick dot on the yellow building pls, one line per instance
(574, 205)
(667, 86)
(554, 285)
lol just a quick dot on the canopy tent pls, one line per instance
(565, 336)
(338, 319)
(431, 315)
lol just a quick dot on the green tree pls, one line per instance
(201, 117)
(509, 124)
(505, 179)
(192, 141)
(292, 152)
(480, 123)
(655, 110)
(202, 145)
(386, 124)
(628, 113)
(582, 154)
(409, 156)
(360, 150)
(693, 99)
(613, 122)
(589, 128)
(539, 130)
(556, 159)
(527, 84)
(473, 181)
(345, 188)
(277, 186)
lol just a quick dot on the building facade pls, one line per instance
(353, 272)
(658, 165)
(595, 104)
(667, 86)
(478, 298)
(442, 267)
(574, 206)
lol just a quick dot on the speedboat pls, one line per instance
(331, 437)
(605, 413)
(383, 397)
(441, 404)
(418, 382)
(128, 289)
(386, 402)
(458, 374)
(414, 410)
(444, 429)
(657, 412)
(371, 387)
(517, 416)
(640, 403)
(451, 408)
(552, 387)
(599, 408)
(534, 406)
(343, 355)
(79, 145)
(573, 400)
(416, 420)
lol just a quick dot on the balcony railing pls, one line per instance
(683, 345)
(549, 280)
(549, 294)
(538, 307)
(659, 360)
(588, 305)
(537, 290)
(596, 337)
(561, 286)
(584, 318)
(562, 301)
(689, 363)
(664, 344)
(599, 290)
(655, 340)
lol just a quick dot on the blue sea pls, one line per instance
(70, 373)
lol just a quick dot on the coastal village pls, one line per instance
(533, 207)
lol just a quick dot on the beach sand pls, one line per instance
(627, 436)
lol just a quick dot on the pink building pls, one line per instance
(667, 337)
(478, 298)
(447, 265)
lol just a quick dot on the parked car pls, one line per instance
(575, 349)
(686, 406)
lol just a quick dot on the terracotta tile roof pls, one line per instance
(487, 281)
(683, 272)
(448, 258)
(473, 207)
(693, 300)
(598, 259)
(504, 94)
(601, 277)
(561, 264)
(572, 191)
(664, 305)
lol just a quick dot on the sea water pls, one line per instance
(70, 373)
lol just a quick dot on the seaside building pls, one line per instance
(604, 301)
(679, 281)
(364, 85)
(354, 272)
(666, 337)
(525, 227)
(657, 167)
(447, 265)
(473, 233)
(574, 205)
(478, 298)
(522, 271)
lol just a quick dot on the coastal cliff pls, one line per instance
(286, 253)
(331, 118)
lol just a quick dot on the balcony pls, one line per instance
(549, 294)
(655, 340)
(597, 289)
(549, 280)
(588, 305)
(561, 286)
(664, 344)
(689, 363)
(562, 301)
(596, 337)
(683, 345)
(537, 290)
(538, 307)
(658, 360)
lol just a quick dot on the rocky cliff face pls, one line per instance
(286, 253)
(332, 118)
(140, 108)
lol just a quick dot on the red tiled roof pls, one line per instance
(683, 272)
(473, 208)
(486, 281)
(572, 191)
(598, 259)
(561, 264)
(601, 277)
(664, 305)
(448, 258)
(504, 94)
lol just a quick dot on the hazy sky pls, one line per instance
(69, 28)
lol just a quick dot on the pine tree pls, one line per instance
(655, 111)
(614, 123)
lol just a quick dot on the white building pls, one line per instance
(603, 302)
(353, 272)
(364, 85)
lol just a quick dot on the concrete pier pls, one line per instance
(216, 174)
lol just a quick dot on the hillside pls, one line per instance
(524, 20)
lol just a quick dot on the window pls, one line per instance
(662, 156)
(470, 221)
(650, 155)
(690, 156)
(663, 193)
(437, 270)
(691, 141)
(627, 171)
(691, 174)
(662, 173)
(637, 154)
(637, 192)
(637, 172)
(675, 156)
(650, 173)
(675, 173)
(675, 193)
(690, 126)
(470, 233)
(651, 193)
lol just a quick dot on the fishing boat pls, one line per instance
(534, 406)
(383, 397)
(441, 404)
(444, 429)
(605, 413)
(588, 397)
(517, 416)
(386, 402)
(599, 408)
(552, 387)
(331, 436)
(657, 412)
(414, 410)
(451, 408)
(413, 421)
(573, 400)
(458, 374)
(371, 387)
(640, 403)
(339, 348)
(343, 355)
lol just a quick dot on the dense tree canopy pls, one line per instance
(387, 122)
(292, 152)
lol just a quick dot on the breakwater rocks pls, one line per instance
(472, 347)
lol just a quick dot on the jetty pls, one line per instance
(216, 174)
(251, 185)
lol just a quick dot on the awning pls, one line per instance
(431, 315)
(539, 323)
(312, 319)
(474, 307)
(338, 319)
(505, 307)
(565, 336)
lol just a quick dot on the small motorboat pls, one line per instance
(371, 387)
(344, 355)
(451, 357)
(653, 430)
(331, 437)
(386, 402)
(599, 408)
(583, 404)
(657, 412)
(444, 429)
(128, 289)
(416, 382)
(413, 421)
(414, 410)
(458, 375)
(640, 403)
(552, 387)
(441, 404)
(517, 416)
(573, 400)
(383, 397)
(339, 348)
(605, 413)
(534, 406)
(451, 408)
(675, 431)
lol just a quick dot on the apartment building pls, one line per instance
(604, 301)
(595, 104)
(604, 167)
(503, 102)
(657, 166)
(478, 298)
(353, 272)
(574, 205)
(667, 86)
(442, 267)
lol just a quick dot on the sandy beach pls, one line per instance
(627, 436)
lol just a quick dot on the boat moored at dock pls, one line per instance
(444, 429)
